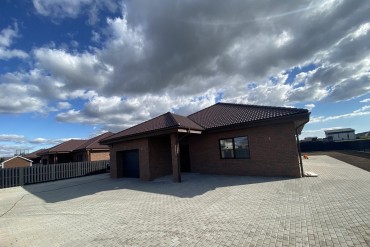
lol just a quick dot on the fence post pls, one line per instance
(21, 176)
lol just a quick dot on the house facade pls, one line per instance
(76, 151)
(92, 150)
(225, 138)
(340, 134)
(17, 161)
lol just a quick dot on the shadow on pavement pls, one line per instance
(192, 185)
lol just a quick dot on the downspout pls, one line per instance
(299, 146)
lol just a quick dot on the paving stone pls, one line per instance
(332, 209)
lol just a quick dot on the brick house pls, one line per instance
(61, 153)
(76, 151)
(92, 150)
(231, 139)
(34, 156)
(16, 161)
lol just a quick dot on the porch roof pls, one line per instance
(165, 122)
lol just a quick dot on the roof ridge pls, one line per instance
(95, 139)
(17, 157)
(136, 125)
(259, 106)
(173, 118)
(203, 109)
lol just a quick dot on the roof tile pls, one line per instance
(226, 114)
(165, 121)
(93, 143)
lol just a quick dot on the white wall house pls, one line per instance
(340, 134)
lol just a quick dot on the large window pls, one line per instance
(235, 148)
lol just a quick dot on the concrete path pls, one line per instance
(330, 210)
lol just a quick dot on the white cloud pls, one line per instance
(7, 35)
(309, 106)
(39, 140)
(76, 71)
(283, 38)
(363, 111)
(16, 98)
(12, 138)
(64, 105)
(365, 100)
(73, 8)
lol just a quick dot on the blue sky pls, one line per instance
(77, 68)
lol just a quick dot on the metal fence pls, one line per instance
(18, 176)
(358, 145)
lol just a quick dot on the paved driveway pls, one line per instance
(330, 210)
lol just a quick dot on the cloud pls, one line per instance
(60, 9)
(39, 141)
(7, 35)
(75, 71)
(309, 106)
(64, 105)
(16, 98)
(12, 138)
(363, 111)
(181, 56)
(365, 100)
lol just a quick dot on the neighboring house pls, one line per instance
(363, 135)
(310, 139)
(224, 138)
(76, 151)
(92, 150)
(340, 134)
(34, 156)
(16, 161)
(61, 153)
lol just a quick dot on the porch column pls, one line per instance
(175, 158)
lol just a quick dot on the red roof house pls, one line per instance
(76, 151)
(232, 139)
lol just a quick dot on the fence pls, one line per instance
(359, 145)
(18, 176)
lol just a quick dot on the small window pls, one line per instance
(227, 149)
(235, 148)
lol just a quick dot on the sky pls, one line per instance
(78, 68)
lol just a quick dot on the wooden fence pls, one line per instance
(10, 177)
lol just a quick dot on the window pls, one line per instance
(234, 148)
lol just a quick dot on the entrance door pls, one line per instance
(130, 163)
(184, 158)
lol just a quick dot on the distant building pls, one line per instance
(363, 135)
(16, 161)
(310, 139)
(340, 134)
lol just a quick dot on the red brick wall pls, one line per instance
(115, 162)
(160, 156)
(273, 152)
(16, 162)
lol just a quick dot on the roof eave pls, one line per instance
(294, 118)
(164, 131)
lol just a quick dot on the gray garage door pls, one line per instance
(130, 162)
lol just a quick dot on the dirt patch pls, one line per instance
(358, 159)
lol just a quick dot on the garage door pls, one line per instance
(130, 162)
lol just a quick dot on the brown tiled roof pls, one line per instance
(93, 143)
(64, 147)
(34, 154)
(165, 121)
(216, 116)
(226, 114)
